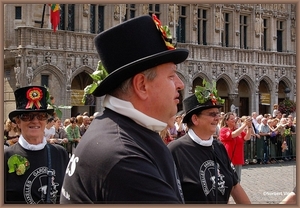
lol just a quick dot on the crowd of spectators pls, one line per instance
(273, 137)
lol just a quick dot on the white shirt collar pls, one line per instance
(127, 109)
(198, 140)
(33, 147)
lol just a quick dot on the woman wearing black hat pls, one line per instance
(204, 169)
(122, 158)
(33, 170)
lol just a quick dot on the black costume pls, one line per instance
(196, 170)
(31, 187)
(120, 161)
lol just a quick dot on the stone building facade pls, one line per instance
(248, 49)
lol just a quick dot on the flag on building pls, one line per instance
(54, 15)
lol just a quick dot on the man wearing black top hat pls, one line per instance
(121, 158)
(33, 169)
(204, 168)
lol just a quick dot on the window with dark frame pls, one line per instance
(225, 33)
(96, 18)
(130, 11)
(181, 24)
(243, 32)
(100, 25)
(71, 17)
(280, 30)
(67, 16)
(7, 74)
(92, 18)
(202, 26)
(18, 12)
(45, 80)
(61, 25)
(264, 38)
(154, 9)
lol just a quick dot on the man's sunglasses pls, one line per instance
(30, 116)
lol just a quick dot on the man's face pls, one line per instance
(86, 121)
(164, 92)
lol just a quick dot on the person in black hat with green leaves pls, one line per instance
(33, 169)
(121, 158)
(205, 171)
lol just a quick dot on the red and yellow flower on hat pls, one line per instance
(34, 95)
(165, 31)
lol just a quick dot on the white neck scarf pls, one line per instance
(126, 108)
(33, 147)
(198, 140)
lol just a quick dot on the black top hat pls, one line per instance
(204, 98)
(30, 99)
(130, 48)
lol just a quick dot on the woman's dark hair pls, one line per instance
(73, 120)
(50, 119)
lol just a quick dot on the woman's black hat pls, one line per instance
(30, 99)
(191, 105)
(130, 48)
(204, 98)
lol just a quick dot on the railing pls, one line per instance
(236, 55)
(84, 42)
(255, 151)
(59, 40)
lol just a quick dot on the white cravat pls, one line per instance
(198, 140)
(127, 109)
(33, 147)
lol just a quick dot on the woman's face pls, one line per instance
(57, 123)
(231, 121)
(74, 124)
(207, 121)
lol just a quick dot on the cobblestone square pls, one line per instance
(268, 184)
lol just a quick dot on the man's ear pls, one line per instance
(194, 119)
(139, 82)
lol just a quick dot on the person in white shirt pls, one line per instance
(49, 130)
(180, 127)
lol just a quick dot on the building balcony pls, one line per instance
(78, 42)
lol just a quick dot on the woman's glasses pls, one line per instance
(212, 114)
(30, 116)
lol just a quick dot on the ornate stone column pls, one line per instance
(17, 70)
(232, 97)
(29, 72)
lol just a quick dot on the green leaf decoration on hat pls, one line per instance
(17, 163)
(56, 109)
(97, 76)
(208, 92)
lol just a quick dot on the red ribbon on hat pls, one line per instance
(213, 99)
(34, 95)
(163, 32)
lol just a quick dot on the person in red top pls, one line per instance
(233, 138)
